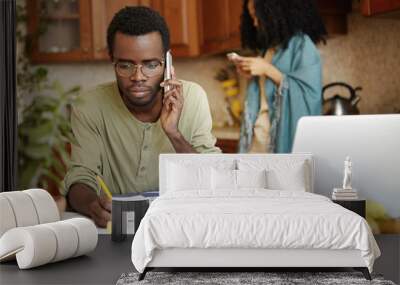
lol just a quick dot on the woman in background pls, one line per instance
(285, 79)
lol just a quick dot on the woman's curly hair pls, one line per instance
(279, 20)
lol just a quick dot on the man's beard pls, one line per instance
(141, 103)
(130, 101)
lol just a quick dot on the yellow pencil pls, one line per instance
(104, 187)
(109, 196)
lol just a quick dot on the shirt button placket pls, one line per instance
(144, 151)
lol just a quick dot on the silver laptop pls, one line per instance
(372, 142)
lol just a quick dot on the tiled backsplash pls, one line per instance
(368, 56)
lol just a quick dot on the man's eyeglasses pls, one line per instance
(149, 68)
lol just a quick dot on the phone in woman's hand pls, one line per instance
(233, 56)
(168, 70)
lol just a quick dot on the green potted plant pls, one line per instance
(43, 123)
(43, 136)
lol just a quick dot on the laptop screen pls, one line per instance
(372, 142)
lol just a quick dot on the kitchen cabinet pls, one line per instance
(227, 138)
(376, 7)
(182, 18)
(102, 12)
(59, 30)
(75, 30)
(334, 14)
(201, 27)
(71, 30)
(220, 21)
(228, 145)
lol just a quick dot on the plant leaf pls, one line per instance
(52, 177)
(41, 133)
(28, 174)
(37, 151)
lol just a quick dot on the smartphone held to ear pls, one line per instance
(168, 70)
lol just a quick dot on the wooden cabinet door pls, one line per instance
(59, 31)
(235, 8)
(214, 23)
(373, 7)
(220, 21)
(182, 19)
(334, 14)
(228, 145)
(102, 13)
(196, 27)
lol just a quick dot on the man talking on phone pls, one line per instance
(120, 128)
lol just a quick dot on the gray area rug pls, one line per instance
(273, 278)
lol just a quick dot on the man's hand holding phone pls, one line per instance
(172, 100)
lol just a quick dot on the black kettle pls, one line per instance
(339, 105)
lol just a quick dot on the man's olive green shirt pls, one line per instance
(124, 151)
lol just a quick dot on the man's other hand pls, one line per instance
(100, 211)
(84, 200)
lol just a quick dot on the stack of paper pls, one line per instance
(151, 195)
(148, 195)
(344, 194)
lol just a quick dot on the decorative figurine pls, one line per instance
(347, 192)
(347, 174)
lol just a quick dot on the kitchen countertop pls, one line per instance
(230, 133)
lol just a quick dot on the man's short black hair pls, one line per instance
(136, 21)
